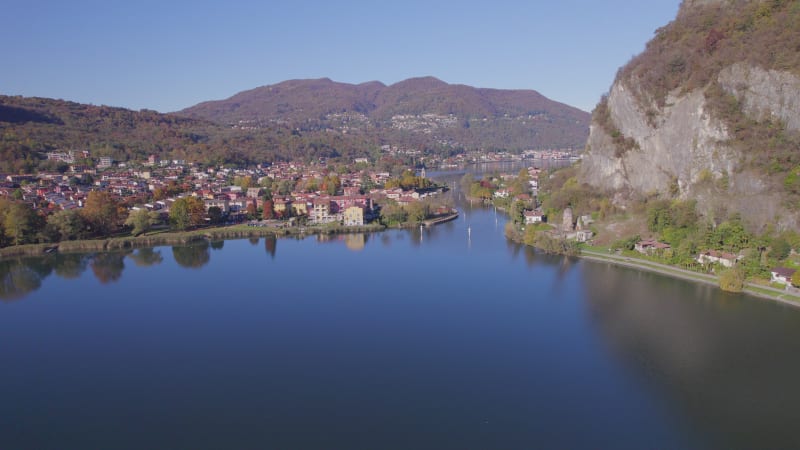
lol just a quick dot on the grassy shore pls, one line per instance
(181, 238)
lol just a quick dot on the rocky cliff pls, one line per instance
(710, 111)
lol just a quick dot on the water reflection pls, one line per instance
(726, 361)
(353, 241)
(108, 267)
(270, 245)
(193, 256)
(70, 265)
(17, 279)
(217, 245)
(146, 257)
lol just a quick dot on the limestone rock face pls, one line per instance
(683, 151)
(764, 93)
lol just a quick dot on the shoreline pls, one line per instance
(776, 295)
(239, 231)
(179, 238)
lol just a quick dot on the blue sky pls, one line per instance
(168, 55)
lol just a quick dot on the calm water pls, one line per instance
(445, 338)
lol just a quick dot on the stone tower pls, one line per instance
(566, 221)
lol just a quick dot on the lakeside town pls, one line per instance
(89, 197)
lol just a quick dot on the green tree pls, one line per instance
(65, 225)
(392, 213)
(21, 223)
(521, 184)
(418, 211)
(141, 221)
(779, 249)
(796, 278)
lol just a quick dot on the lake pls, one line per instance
(447, 337)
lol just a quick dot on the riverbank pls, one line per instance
(765, 292)
(182, 238)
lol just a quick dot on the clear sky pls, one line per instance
(167, 55)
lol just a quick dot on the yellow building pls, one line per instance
(280, 206)
(300, 208)
(354, 216)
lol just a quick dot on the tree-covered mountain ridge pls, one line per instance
(710, 111)
(430, 110)
(299, 119)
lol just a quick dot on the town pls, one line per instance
(80, 200)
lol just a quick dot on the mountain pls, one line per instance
(710, 111)
(31, 126)
(425, 112)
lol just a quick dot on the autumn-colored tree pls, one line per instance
(187, 212)
(331, 184)
(159, 194)
(102, 212)
(268, 212)
(244, 182)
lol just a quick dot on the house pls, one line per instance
(782, 275)
(650, 246)
(354, 216)
(281, 205)
(223, 205)
(322, 211)
(254, 192)
(584, 235)
(502, 193)
(535, 216)
(105, 162)
(714, 257)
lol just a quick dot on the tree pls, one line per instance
(732, 280)
(779, 248)
(268, 212)
(521, 184)
(102, 212)
(331, 184)
(141, 221)
(187, 212)
(796, 278)
(418, 211)
(65, 225)
(20, 223)
(251, 210)
(215, 215)
(244, 182)
(392, 213)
